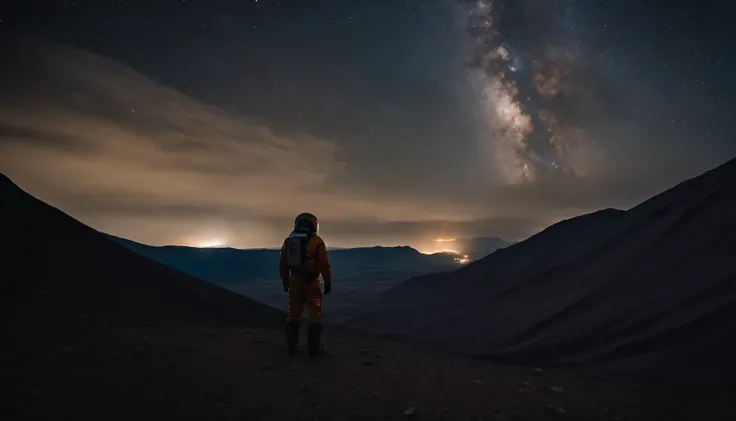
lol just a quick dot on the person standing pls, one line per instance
(303, 260)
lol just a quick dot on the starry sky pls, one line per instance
(395, 122)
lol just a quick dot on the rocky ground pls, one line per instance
(87, 370)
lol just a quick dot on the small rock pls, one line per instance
(410, 412)
(556, 389)
(479, 381)
(363, 351)
(557, 408)
(539, 371)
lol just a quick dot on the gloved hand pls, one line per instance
(328, 287)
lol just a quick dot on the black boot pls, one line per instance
(315, 346)
(292, 337)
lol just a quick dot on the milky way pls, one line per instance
(530, 103)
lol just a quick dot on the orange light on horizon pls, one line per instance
(445, 240)
(463, 260)
(213, 243)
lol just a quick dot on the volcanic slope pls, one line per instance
(652, 288)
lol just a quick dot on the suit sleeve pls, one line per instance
(283, 270)
(324, 263)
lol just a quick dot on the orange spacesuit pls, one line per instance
(303, 260)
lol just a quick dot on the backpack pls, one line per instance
(296, 250)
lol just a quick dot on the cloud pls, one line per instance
(97, 117)
(105, 131)
(117, 149)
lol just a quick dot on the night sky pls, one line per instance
(395, 122)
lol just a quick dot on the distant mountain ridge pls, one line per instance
(359, 273)
(227, 265)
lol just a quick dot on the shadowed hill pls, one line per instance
(650, 288)
(55, 263)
